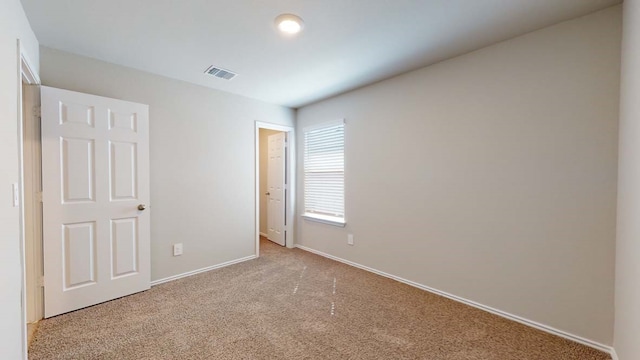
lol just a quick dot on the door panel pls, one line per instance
(123, 121)
(123, 171)
(124, 246)
(78, 173)
(76, 114)
(95, 171)
(79, 265)
(276, 186)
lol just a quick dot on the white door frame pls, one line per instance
(31, 192)
(26, 74)
(289, 175)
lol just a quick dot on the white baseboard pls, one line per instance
(614, 355)
(531, 323)
(205, 269)
(263, 234)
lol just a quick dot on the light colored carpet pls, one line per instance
(290, 304)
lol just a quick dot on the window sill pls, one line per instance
(329, 220)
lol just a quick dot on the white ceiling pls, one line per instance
(345, 44)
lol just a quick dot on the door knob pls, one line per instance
(142, 207)
(267, 194)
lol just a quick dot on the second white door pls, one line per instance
(276, 186)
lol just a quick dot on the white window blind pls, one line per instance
(324, 171)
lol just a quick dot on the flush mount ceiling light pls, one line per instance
(289, 24)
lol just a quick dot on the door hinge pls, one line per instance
(37, 111)
(41, 281)
(39, 196)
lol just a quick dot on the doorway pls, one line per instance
(32, 205)
(29, 192)
(272, 185)
(275, 187)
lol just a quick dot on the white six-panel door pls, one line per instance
(95, 176)
(276, 187)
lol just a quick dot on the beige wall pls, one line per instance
(490, 176)
(13, 26)
(264, 166)
(202, 158)
(627, 306)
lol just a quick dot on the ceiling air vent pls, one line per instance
(220, 73)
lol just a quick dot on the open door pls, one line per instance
(276, 188)
(95, 172)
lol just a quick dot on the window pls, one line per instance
(324, 173)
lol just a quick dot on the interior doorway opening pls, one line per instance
(29, 191)
(272, 197)
(32, 206)
(275, 185)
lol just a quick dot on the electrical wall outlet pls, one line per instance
(350, 239)
(177, 249)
